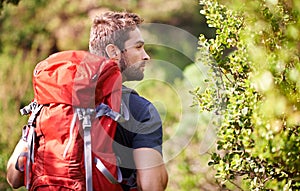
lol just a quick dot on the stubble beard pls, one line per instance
(133, 72)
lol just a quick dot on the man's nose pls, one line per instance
(145, 55)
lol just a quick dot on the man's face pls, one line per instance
(134, 57)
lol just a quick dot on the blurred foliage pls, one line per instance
(15, 2)
(254, 89)
(31, 30)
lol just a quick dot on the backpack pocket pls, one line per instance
(54, 183)
(106, 173)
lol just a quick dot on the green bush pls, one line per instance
(254, 89)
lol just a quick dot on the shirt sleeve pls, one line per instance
(149, 131)
(144, 124)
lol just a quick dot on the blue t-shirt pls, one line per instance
(142, 130)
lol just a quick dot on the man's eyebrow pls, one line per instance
(140, 42)
(137, 43)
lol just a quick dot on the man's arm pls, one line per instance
(14, 177)
(151, 172)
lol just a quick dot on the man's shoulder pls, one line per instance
(131, 96)
(126, 90)
(137, 105)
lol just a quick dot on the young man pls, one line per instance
(138, 142)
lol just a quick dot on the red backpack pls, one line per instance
(77, 98)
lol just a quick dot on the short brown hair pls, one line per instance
(111, 28)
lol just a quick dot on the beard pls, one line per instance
(132, 72)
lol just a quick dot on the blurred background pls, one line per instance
(32, 30)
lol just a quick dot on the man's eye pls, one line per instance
(139, 46)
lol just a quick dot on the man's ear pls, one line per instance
(113, 52)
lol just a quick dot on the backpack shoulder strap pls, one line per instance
(29, 135)
(85, 116)
(104, 109)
